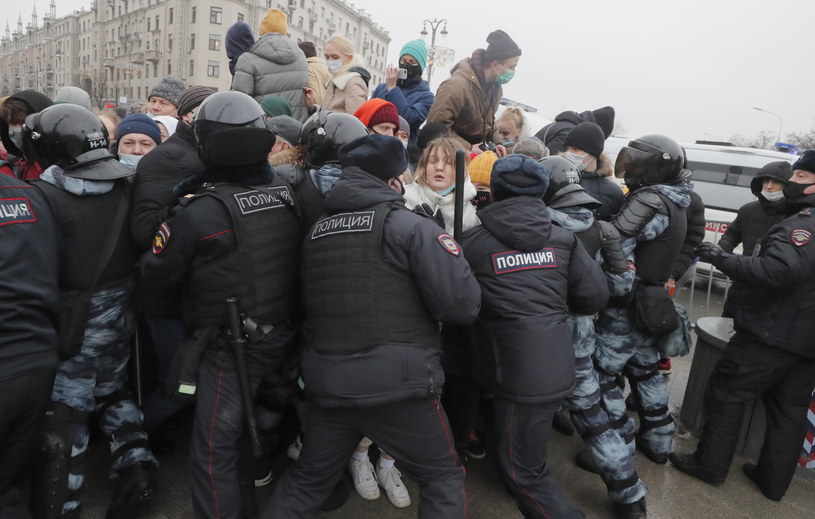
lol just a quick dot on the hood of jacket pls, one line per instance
(570, 116)
(36, 102)
(779, 171)
(341, 81)
(575, 219)
(356, 190)
(521, 222)
(277, 49)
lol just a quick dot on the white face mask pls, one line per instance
(333, 65)
(131, 161)
(772, 196)
(575, 158)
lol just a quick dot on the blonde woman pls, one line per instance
(346, 90)
(510, 128)
(435, 184)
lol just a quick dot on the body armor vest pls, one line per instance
(355, 300)
(262, 270)
(655, 259)
(590, 238)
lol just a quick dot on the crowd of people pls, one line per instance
(406, 271)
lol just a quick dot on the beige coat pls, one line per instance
(345, 93)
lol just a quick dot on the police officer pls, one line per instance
(378, 278)
(772, 354)
(89, 193)
(238, 236)
(652, 223)
(571, 207)
(532, 274)
(29, 306)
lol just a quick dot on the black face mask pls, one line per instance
(793, 190)
(413, 71)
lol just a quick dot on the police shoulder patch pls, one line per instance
(16, 210)
(513, 260)
(449, 244)
(161, 239)
(807, 211)
(800, 237)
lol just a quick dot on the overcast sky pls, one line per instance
(690, 69)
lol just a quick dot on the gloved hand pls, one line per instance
(711, 253)
(426, 211)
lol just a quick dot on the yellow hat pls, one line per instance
(274, 21)
(481, 167)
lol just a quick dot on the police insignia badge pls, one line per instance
(800, 237)
(449, 244)
(162, 238)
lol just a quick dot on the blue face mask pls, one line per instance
(508, 142)
(447, 191)
(506, 77)
(131, 161)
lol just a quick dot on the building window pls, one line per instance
(147, 44)
(192, 41)
(213, 68)
(170, 42)
(215, 14)
(214, 42)
(170, 22)
(169, 68)
(148, 24)
(194, 12)
(192, 68)
(157, 25)
(240, 17)
(300, 23)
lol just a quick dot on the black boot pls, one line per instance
(562, 423)
(688, 464)
(135, 487)
(750, 470)
(635, 510)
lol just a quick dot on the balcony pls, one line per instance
(137, 57)
(152, 55)
(109, 62)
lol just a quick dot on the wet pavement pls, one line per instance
(671, 494)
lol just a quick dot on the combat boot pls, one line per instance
(688, 464)
(135, 487)
(635, 510)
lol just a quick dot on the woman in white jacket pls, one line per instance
(435, 185)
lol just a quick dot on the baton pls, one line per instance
(238, 343)
(458, 216)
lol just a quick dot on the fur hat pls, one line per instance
(417, 49)
(379, 155)
(588, 137)
(806, 162)
(274, 21)
(500, 47)
(169, 88)
(481, 167)
(193, 97)
(375, 111)
(139, 123)
(518, 175)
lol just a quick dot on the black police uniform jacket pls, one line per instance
(777, 307)
(605, 191)
(229, 240)
(532, 275)
(29, 299)
(377, 279)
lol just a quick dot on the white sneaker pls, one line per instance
(362, 472)
(391, 480)
(294, 449)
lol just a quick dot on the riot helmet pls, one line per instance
(651, 160)
(231, 131)
(325, 132)
(564, 185)
(74, 139)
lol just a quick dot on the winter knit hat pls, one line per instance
(193, 97)
(169, 122)
(382, 156)
(139, 123)
(417, 49)
(806, 162)
(404, 126)
(375, 111)
(169, 88)
(286, 127)
(274, 21)
(500, 47)
(518, 175)
(308, 49)
(588, 137)
(73, 95)
(274, 106)
(481, 167)
(604, 117)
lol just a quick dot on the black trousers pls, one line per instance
(522, 433)
(22, 407)
(784, 381)
(415, 432)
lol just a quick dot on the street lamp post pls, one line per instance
(780, 121)
(434, 26)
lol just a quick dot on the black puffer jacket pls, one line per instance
(532, 275)
(695, 235)
(604, 190)
(554, 134)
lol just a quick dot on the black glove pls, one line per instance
(426, 211)
(711, 253)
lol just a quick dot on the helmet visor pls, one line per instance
(631, 161)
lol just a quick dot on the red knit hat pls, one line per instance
(377, 111)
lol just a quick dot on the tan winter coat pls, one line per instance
(461, 104)
(345, 93)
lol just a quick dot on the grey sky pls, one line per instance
(691, 69)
